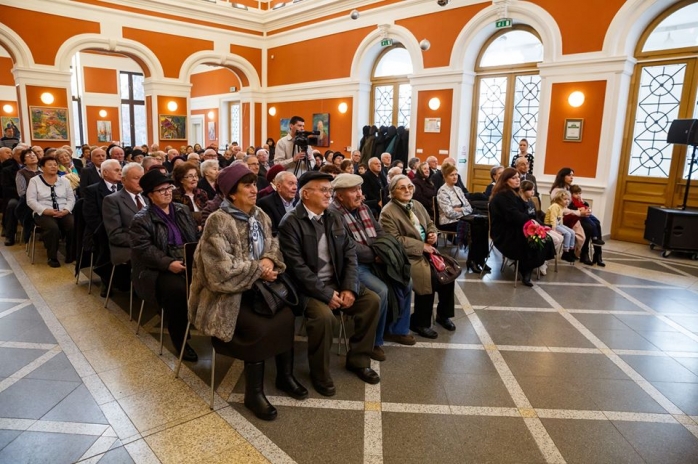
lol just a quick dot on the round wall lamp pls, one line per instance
(576, 99)
(102, 113)
(172, 105)
(7, 108)
(434, 103)
(272, 111)
(343, 107)
(47, 98)
(211, 115)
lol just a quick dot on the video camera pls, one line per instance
(305, 138)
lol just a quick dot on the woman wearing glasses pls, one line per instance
(408, 221)
(158, 234)
(186, 179)
(51, 198)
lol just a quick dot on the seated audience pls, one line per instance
(236, 249)
(408, 221)
(270, 176)
(521, 165)
(592, 223)
(424, 189)
(553, 219)
(51, 199)
(91, 174)
(330, 169)
(17, 210)
(347, 167)
(186, 178)
(324, 266)
(209, 173)
(374, 183)
(283, 200)
(572, 215)
(495, 172)
(526, 192)
(252, 163)
(412, 166)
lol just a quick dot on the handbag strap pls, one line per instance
(291, 291)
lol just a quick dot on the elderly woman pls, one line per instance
(412, 165)
(186, 179)
(51, 198)
(65, 163)
(209, 174)
(408, 221)
(16, 210)
(508, 214)
(455, 214)
(237, 249)
(424, 188)
(158, 234)
(495, 172)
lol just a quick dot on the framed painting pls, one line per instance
(9, 122)
(285, 122)
(104, 131)
(211, 130)
(49, 123)
(321, 124)
(173, 127)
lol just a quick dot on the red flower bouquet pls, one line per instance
(536, 234)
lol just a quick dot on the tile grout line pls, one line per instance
(540, 435)
(28, 369)
(22, 305)
(373, 421)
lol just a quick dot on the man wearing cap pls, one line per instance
(282, 201)
(365, 230)
(321, 259)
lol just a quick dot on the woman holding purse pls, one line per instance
(409, 222)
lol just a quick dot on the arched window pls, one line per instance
(506, 101)
(391, 92)
(664, 88)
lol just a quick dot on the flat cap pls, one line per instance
(313, 175)
(344, 181)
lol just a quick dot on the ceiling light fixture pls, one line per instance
(434, 103)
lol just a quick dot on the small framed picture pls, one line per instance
(573, 130)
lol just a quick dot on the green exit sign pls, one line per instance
(386, 42)
(503, 23)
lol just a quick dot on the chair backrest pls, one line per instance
(536, 203)
(189, 249)
(435, 211)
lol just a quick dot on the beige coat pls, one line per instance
(223, 270)
(396, 222)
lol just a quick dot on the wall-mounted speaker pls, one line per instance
(683, 131)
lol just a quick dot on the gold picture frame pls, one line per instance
(573, 130)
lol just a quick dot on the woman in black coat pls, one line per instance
(424, 189)
(508, 214)
(158, 234)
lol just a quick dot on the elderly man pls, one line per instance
(263, 157)
(356, 160)
(433, 164)
(374, 183)
(154, 147)
(39, 152)
(386, 159)
(253, 165)
(117, 153)
(194, 158)
(522, 165)
(5, 154)
(118, 210)
(365, 230)
(210, 154)
(92, 174)
(95, 237)
(280, 202)
(171, 154)
(323, 260)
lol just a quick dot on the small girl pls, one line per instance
(578, 201)
(553, 218)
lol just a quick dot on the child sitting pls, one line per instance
(553, 218)
(578, 201)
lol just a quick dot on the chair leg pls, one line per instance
(516, 272)
(77, 277)
(130, 304)
(555, 262)
(162, 329)
(181, 351)
(111, 279)
(89, 285)
(213, 375)
(342, 335)
(33, 247)
(140, 315)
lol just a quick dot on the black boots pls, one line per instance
(598, 258)
(568, 256)
(285, 381)
(526, 278)
(255, 400)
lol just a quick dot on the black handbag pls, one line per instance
(445, 268)
(271, 297)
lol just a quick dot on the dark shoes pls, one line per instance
(9, 242)
(366, 374)
(189, 354)
(325, 388)
(400, 339)
(54, 263)
(446, 323)
(473, 267)
(285, 381)
(255, 400)
(377, 354)
(526, 279)
(569, 256)
(598, 241)
(425, 332)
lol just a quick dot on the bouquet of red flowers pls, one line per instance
(536, 234)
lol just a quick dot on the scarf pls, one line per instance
(362, 230)
(413, 217)
(256, 235)
(174, 235)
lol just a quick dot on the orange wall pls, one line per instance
(431, 142)
(216, 119)
(60, 96)
(441, 29)
(581, 156)
(583, 25)
(6, 77)
(253, 55)
(341, 128)
(162, 109)
(12, 114)
(245, 135)
(171, 50)
(327, 57)
(213, 83)
(44, 33)
(99, 80)
(91, 118)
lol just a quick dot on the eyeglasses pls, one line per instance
(405, 188)
(190, 176)
(253, 164)
(324, 190)
(165, 190)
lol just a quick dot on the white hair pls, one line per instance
(110, 164)
(206, 165)
(128, 167)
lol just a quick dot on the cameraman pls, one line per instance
(288, 155)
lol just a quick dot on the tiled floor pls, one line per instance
(590, 365)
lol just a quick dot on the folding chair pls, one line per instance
(446, 234)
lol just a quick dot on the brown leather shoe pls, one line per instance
(378, 354)
(400, 339)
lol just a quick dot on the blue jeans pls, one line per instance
(373, 283)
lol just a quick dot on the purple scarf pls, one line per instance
(174, 235)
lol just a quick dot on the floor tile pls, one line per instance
(693, 270)
(624, 340)
(464, 332)
(10, 287)
(315, 435)
(116, 456)
(587, 441)
(689, 363)
(78, 406)
(14, 359)
(688, 322)
(475, 390)
(646, 323)
(601, 321)
(600, 298)
(41, 447)
(670, 443)
(619, 279)
(618, 395)
(32, 398)
(670, 341)
(422, 438)
(666, 301)
(503, 294)
(659, 369)
(137, 376)
(564, 365)
(684, 395)
(555, 393)
(6, 437)
(56, 368)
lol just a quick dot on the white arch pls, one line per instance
(369, 49)
(80, 42)
(16, 47)
(220, 59)
(476, 32)
(629, 23)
